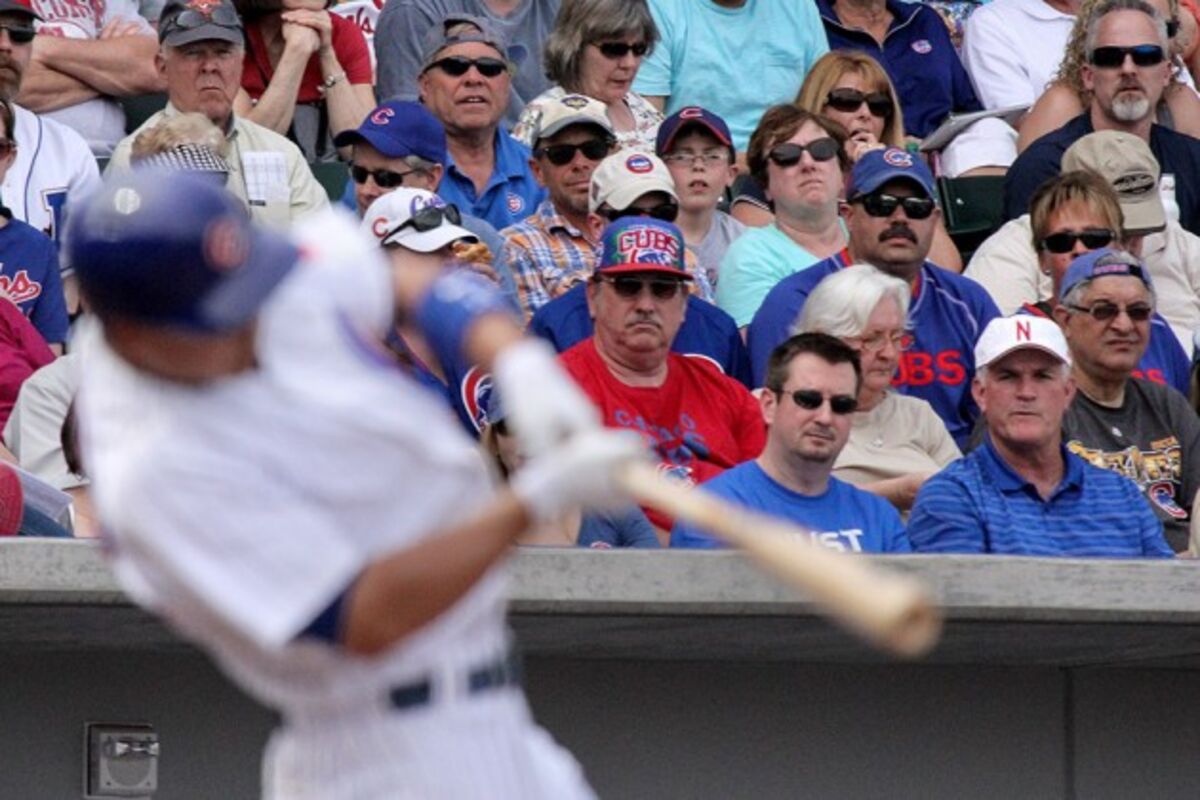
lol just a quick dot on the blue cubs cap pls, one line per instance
(686, 117)
(172, 249)
(641, 244)
(1099, 263)
(876, 167)
(400, 128)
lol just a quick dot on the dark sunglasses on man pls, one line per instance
(878, 204)
(457, 66)
(615, 50)
(788, 154)
(20, 34)
(1064, 241)
(1113, 57)
(850, 100)
(629, 286)
(667, 212)
(384, 178)
(811, 400)
(1104, 311)
(562, 154)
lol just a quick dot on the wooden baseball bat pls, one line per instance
(892, 611)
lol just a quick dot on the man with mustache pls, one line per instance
(1023, 492)
(200, 57)
(891, 214)
(697, 421)
(1126, 71)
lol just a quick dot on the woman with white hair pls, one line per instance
(896, 441)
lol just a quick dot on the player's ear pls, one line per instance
(593, 292)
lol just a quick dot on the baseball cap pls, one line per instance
(1004, 335)
(18, 7)
(173, 249)
(686, 117)
(641, 244)
(400, 128)
(1125, 161)
(438, 38)
(1098, 263)
(415, 219)
(876, 167)
(625, 176)
(186, 21)
(571, 109)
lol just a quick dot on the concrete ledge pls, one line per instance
(698, 605)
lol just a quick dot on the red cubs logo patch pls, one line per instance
(897, 157)
(639, 164)
(691, 112)
(382, 116)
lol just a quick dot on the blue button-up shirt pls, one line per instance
(511, 194)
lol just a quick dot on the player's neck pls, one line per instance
(1101, 390)
(802, 476)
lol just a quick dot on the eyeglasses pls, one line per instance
(788, 153)
(384, 178)
(1112, 57)
(851, 100)
(884, 205)
(1064, 241)
(562, 154)
(664, 211)
(1106, 312)
(709, 158)
(457, 66)
(20, 34)
(615, 50)
(221, 16)
(629, 287)
(811, 400)
(427, 219)
(876, 341)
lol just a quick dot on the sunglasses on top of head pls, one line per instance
(562, 154)
(429, 218)
(788, 154)
(615, 50)
(457, 66)
(878, 204)
(850, 100)
(221, 16)
(667, 212)
(629, 286)
(1113, 57)
(811, 400)
(1064, 241)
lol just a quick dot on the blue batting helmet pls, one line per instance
(172, 249)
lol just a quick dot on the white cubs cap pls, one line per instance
(627, 175)
(1005, 335)
(415, 219)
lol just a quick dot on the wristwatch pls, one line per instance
(332, 81)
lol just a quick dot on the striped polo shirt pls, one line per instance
(979, 504)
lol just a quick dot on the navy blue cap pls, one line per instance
(172, 249)
(669, 130)
(1097, 264)
(876, 167)
(400, 128)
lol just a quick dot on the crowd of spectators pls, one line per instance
(725, 215)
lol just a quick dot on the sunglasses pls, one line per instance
(562, 154)
(664, 211)
(1105, 312)
(615, 50)
(20, 34)
(427, 219)
(1112, 57)
(851, 100)
(384, 178)
(457, 66)
(788, 153)
(629, 287)
(1064, 241)
(811, 400)
(884, 205)
(222, 16)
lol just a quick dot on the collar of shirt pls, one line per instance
(549, 219)
(512, 158)
(1008, 480)
(902, 14)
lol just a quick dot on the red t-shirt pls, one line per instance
(348, 43)
(699, 423)
(23, 351)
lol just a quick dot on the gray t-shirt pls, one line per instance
(401, 33)
(1153, 439)
(711, 250)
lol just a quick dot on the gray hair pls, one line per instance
(419, 164)
(981, 373)
(842, 302)
(1111, 6)
(583, 22)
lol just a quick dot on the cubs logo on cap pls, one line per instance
(382, 115)
(1097, 264)
(877, 167)
(642, 244)
(691, 116)
(399, 128)
(898, 158)
(638, 163)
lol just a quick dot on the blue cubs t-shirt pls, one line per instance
(29, 275)
(843, 518)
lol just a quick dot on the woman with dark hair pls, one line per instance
(307, 73)
(595, 50)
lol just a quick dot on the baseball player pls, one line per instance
(273, 486)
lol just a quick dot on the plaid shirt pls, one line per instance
(547, 256)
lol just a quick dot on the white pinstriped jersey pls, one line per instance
(240, 510)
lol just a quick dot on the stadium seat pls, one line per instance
(973, 208)
(332, 176)
(140, 108)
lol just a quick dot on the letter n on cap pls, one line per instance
(1024, 331)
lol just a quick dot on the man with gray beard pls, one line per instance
(1125, 71)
